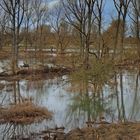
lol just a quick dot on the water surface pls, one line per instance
(71, 109)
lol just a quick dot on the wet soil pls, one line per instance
(121, 131)
(40, 73)
(128, 64)
(128, 131)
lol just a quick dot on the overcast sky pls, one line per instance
(109, 7)
(109, 10)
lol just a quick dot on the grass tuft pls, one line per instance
(24, 113)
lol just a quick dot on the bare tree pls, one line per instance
(135, 16)
(27, 21)
(99, 21)
(80, 15)
(60, 27)
(39, 17)
(122, 11)
(15, 10)
(3, 23)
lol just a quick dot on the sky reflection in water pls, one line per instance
(72, 110)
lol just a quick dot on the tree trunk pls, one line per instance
(14, 49)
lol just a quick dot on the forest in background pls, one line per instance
(79, 60)
(81, 25)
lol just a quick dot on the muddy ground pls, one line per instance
(33, 74)
(122, 131)
(128, 131)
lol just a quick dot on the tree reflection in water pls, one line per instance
(14, 131)
(91, 102)
(113, 98)
(136, 104)
(127, 88)
(11, 130)
(88, 103)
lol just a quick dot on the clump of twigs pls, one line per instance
(24, 113)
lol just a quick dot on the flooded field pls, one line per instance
(117, 101)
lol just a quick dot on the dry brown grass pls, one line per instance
(1, 86)
(24, 113)
(126, 131)
(5, 53)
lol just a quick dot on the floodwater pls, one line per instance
(118, 101)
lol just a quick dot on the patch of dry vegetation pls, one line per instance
(1, 86)
(128, 131)
(24, 113)
(4, 54)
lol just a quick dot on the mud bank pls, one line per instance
(124, 131)
(30, 73)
